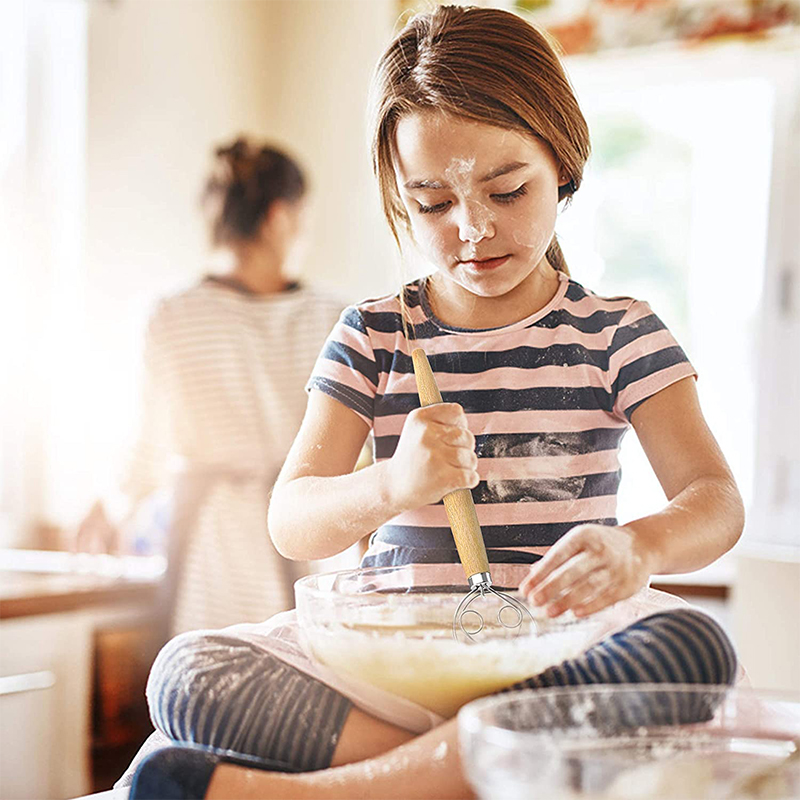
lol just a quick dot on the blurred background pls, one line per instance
(109, 110)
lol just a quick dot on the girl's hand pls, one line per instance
(435, 456)
(591, 567)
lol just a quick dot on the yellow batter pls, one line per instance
(423, 663)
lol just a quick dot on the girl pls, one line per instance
(477, 139)
(225, 365)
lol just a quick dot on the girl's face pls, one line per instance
(482, 200)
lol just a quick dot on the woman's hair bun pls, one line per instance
(245, 181)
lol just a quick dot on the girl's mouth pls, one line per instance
(486, 263)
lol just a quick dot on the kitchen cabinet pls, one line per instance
(766, 600)
(75, 647)
(45, 676)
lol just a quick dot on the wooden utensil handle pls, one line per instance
(459, 505)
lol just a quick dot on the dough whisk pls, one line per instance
(463, 519)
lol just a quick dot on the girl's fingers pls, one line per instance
(462, 458)
(558, 554)
(444, 413)
(598, 603)
(575, 571)
(458, 437)
(581, 593)
(460, 478)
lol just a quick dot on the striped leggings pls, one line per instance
(218, 691)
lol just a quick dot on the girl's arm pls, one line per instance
(320, 507)
(594, 566)
(705, 515)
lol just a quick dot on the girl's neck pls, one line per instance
(260, 270)
(457, 307)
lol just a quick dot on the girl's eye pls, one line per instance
(510, 197)
(437, 209)
(506, 197)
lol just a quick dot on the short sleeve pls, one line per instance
(346, 368)
(644, 358)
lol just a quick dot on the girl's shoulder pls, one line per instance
(620, 320)
(578, 294)
(612, 318)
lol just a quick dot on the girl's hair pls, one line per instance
(480, 64)
(246, 179)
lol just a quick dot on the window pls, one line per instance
(42, 143)
(675, 210)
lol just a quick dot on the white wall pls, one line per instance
(166, 79)
(42, 186)
(327, 51)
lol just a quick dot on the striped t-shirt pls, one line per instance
(548, 398)
(223, 400)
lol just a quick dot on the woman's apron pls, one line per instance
(192, 489)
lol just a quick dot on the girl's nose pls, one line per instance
(475, 223)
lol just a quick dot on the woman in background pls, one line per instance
(226, 362)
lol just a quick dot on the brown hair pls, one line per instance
(480, 64)
(246, 179)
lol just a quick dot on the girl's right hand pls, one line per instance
(434, 456)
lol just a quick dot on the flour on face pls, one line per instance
(479, 219)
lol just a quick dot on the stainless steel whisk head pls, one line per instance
(481, 585)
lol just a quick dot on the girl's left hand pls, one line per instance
(591, 567)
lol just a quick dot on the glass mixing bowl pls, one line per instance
(392, 627)
(634, 742)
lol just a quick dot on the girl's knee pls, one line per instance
(689, 641)
(225, 693)
(195, 675)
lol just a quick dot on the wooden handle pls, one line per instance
(459, 505)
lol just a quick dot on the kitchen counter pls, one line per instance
(36, 582)
(714, 581)
(44, 582)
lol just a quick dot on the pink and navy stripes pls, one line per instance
(548, 398)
